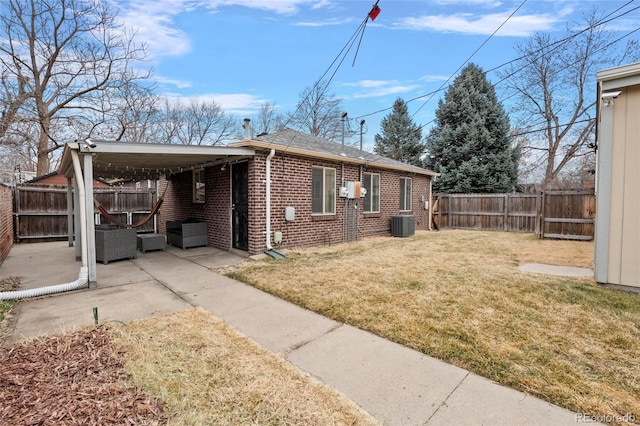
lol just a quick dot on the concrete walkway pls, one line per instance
(565, 271)
(397, 385)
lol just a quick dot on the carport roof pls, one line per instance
(148, 161)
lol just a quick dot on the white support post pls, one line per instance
(76, 221)
(90, 218)
(69, 212)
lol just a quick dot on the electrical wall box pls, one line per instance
(426, 205)
(289, 214)
(421, 198)
(343, 192)
(277, 237)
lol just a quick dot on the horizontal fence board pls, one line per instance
(569, 237)
(567, 220)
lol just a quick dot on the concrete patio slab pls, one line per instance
(393, 383)
(41, 264)
(70, 311)
(275, 324)
(478, 401)
(565, 271)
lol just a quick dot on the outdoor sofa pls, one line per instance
(186, 233)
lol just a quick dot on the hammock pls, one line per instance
(138, 224)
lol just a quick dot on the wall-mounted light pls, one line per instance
(88, 143)
(608, 97)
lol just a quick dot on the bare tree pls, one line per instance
(60, 60)
(136, 116)
(269, 119)
(196, 123)
(554, 84)
(318, 113)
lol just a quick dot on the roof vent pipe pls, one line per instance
(344, 115)
(361, 126)
(247, 128)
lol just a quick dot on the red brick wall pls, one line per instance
(6, 221)
(290, 186)
(216, 211)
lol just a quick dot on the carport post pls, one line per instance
(76, 220)
(90, 217)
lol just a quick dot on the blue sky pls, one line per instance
(244, 53)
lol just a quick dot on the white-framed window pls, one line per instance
(371, 182)
(405, 194)
(323, 193)
(198, 186)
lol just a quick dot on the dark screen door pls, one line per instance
(240, 205)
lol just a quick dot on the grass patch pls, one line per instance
(207, 373)
(459, 296)
(6, 306)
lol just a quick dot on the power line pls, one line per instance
(341, 57)
(472, 55)
(603, 21)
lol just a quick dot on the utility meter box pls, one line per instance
(353, 189)
(289, 214)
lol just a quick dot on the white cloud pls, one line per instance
(369, 83)
(283, 7)
(231, 103)
(179, 84)
(466, 23)
(431, 78)
(325, 23)
(483, 3)
(378, 88)
(153, 20)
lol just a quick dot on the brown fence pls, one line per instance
(41, 212)
(568, 214)
(550, 214)
(6, 221)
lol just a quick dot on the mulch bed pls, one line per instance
(75, 379)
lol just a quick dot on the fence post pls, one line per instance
(506, 212)
(540, 215)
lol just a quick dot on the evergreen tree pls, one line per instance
(401, 139)
(470, 144)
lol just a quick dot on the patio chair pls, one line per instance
(185, 234)
(113, 243)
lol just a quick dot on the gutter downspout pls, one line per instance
(83, 212)
(268, 206)
(431, 203)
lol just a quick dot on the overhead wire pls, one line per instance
(341, 56)
(603, 21)
(474, 53)
(555, 45)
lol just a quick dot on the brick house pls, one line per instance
(306, 203)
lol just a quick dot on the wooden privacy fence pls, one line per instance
(6, 221)
(550, 214)
(41, 212)
(568, 214)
